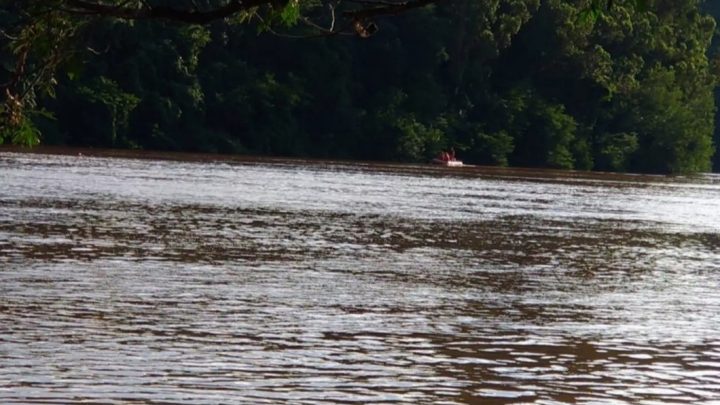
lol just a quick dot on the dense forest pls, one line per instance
(533, 83)
(713, 8)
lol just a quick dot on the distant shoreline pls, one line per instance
(507, 173)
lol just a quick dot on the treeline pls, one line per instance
(713, 8)
(505, 82)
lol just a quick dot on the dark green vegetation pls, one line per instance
(518, 82)
(713, 7)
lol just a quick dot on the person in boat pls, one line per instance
(443, 156)
(451, 155)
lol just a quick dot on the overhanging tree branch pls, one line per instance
(162, 12)
(369, 9)
(387, 9)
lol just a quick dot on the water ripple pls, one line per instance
(146, 281)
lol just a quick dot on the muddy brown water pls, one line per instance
(128, 280)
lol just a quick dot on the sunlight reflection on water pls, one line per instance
(239, 281)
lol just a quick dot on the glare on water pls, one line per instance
(239, 281)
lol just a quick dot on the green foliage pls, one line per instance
(713, 8)
(616, 150)
(495, 148)
(284, 13)
(119, 104)
(290, 14)
(24, 134)
(675, 130)
(560, 129)
(416, 141)
(582, 154)
(632, 93)
(622, 85)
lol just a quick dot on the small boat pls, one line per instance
(448, 163)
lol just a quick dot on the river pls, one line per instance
(199, 281)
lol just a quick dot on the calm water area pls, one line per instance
(164, 279)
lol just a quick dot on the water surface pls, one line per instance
(250, 281)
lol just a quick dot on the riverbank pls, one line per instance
(428, 169)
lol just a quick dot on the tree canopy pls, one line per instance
(584, 84)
